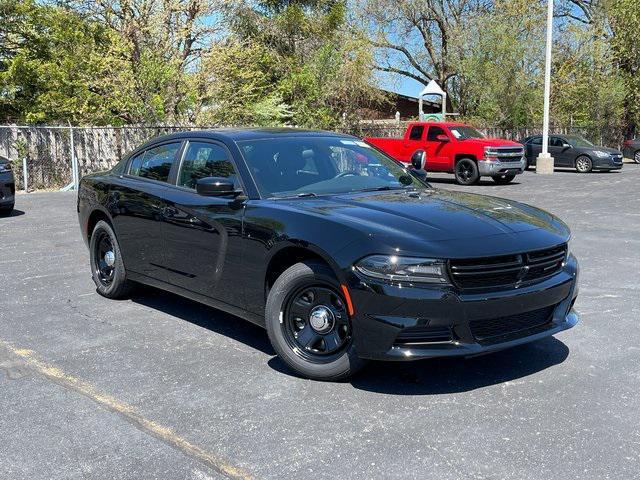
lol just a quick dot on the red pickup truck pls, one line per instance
(459, 149)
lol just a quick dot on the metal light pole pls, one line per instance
(544, 163)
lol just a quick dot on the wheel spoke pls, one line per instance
(300, 309)
(323, 296)
(307, 338)
(331, 341)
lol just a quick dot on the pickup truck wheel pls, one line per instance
(308, 323)
(466, 172)
(504, 179)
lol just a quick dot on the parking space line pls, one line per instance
(111, 403)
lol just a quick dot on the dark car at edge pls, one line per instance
(631, 149)
(573, 151)
(343, 254)
(7, 187)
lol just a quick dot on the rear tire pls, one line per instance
(636, 156)
(7, 209)
(504, 179)
(584, 164)
(310, 351)
(466, 172)
(107, 267)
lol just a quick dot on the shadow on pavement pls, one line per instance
(203, 316)
(450, 375)
(424, 377)
(14, 213)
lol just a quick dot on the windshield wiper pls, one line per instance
(306, 194)
(380, 189)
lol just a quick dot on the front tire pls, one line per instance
(466, 172)
(584, 164)
(504, 179)
(309, 325)
(107, 267)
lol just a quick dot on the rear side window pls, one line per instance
(416, 132)
(432, 136)
(204, 160)
(155, 163)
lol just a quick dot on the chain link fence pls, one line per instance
(44, 157)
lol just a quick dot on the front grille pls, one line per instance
(503, 329)
(423, 334)
(507, 270)
(509, 154)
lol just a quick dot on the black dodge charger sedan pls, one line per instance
(342, 253)
(573, 151)
(7, 187)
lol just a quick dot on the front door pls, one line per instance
(203, 235)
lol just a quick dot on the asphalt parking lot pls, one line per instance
(160, 387)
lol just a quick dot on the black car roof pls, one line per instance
(240, 134)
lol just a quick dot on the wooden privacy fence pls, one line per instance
(46, 157)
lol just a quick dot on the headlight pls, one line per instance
(404, 269)
(5, 167)
(601, 154)
(490, 153)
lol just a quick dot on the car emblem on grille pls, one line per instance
(523, 273)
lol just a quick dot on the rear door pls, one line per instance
(437, 151)
(137, 203)
(203, 235)
(414, 141)
(534, 149)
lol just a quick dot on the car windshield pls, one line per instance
(579, 142)
(307, 166)
(463, 132)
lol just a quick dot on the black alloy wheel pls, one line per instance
(104, 259)
(466, 172)
(316, 323)
(636, 156)
(107, 266)
(309, 325)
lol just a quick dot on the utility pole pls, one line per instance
(544, 163)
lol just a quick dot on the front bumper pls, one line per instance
(385, 313)
(611, 163)
(492, 168)
(7, 188)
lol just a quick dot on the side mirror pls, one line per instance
(566, 146)
(442, 138)
(215, 187)
(419, 160)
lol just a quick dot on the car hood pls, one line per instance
(491, 142)
(441, 220)
(612, 151)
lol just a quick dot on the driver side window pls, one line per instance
(204, 160)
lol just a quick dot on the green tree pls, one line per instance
(499, 64)
(57, 66)
(624, 19)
